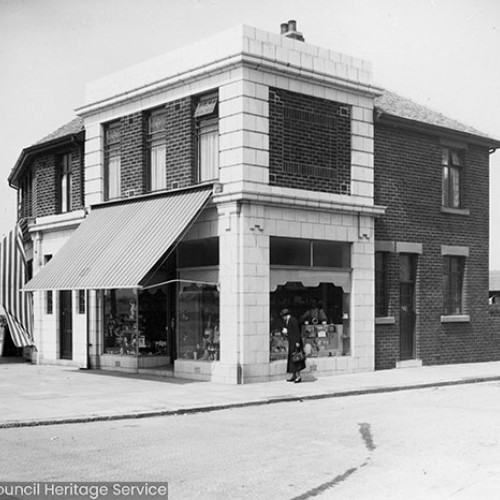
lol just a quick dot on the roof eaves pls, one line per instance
(389, 119)
(49, 142)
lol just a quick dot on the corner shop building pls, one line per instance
(281, 213)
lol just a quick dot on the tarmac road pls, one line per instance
(435, 443)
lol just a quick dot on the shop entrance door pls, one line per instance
(407, 315)
(65, 324)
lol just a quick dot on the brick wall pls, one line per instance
(309, 142)
(408, 181)
(132, 151)
(45, 195)
(180, 143)
(77, 175)
(45, 185)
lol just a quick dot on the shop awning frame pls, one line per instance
(118, 243)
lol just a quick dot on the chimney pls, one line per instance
(289, 30)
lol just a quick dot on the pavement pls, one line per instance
(32, 395)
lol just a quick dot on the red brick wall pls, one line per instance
(309, 142)
(408, 181)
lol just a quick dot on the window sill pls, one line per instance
(455, 318)
(455, 211)
(385, 320)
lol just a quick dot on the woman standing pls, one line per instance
(295, 344)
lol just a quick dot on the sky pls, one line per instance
(440, 53)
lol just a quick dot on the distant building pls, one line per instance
(494, 287)
(199, 193)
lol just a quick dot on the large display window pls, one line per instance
(198, 321)
(135, 323)
(323, 312)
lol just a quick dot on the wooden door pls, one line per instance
(407, 317)
(65, 324)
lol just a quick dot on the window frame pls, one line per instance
(65, 182)
(205, 124)
(156, 138)
(112, 151)
(453, 285)
(452, 163)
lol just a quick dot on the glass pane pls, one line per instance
(114, 178)
(455, 158)
(198, 253)
(455, 187)
(444, 157)
(64, 193)
(209, 153)
(446, 195)
(198, 322)
(120, 322)
(158, 167)
(290, 252)
(330, 254)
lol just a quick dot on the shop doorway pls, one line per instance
(407, 317)
(65, 324)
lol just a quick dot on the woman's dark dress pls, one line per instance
(294, 337)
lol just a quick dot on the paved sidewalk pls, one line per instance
(44, 395)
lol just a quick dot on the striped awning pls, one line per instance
(16, 305)
(119, 243)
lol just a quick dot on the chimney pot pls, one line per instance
(292, 25)
(284, 28)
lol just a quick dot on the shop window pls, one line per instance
(207, 138)
(198, 322)
(329, 254)
(322, 311)
(452, 163)
(290, 252)
(112, 161)
(198, 253)
(309, 253)
(135, 324)
(121, 329)
(381, 285)
(453, 284)
(157, 150)
(65, 185)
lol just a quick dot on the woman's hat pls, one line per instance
(284, 312)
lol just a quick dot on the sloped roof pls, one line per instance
(73, 127)
(494, 281)
(401, 107)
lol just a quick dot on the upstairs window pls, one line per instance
(452, 163)
(65, 186)
(157, 150)
(207, 138)
(25, 197)
(453, 284)
(112, 162)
